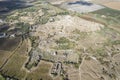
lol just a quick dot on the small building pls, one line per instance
(51, 19)
(55, 53)
(12, 35)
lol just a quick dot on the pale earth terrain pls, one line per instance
(90, 44)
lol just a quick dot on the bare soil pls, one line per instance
(113, 5)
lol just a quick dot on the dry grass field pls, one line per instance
(7, 48)
(3, 56)
(90, 70)
(73, 74)
(41, 72)
(114, 4)
(13, 66)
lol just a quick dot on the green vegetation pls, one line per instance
(116, 42)
(33, 41)
(30, 9)
(76, 65)
(64, 13)
(62, 40)
(112, 42)
(11, 18)
(109, 12)
(82, 35)
(1, 78)
(111, 15)
(43, 19)
(64, 43)
(101, 52)
(29, 65)
(23, 26)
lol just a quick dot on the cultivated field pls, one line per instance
(13, 67)
(3, 56)
(7, 47)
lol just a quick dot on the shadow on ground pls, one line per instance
(80, 3)
(7, 6)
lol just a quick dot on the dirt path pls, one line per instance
(80, 68)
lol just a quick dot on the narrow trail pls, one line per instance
(80, 67)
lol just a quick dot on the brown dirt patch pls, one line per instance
(3, 56)
(42, 72)
(113, 5)
(90, 70)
